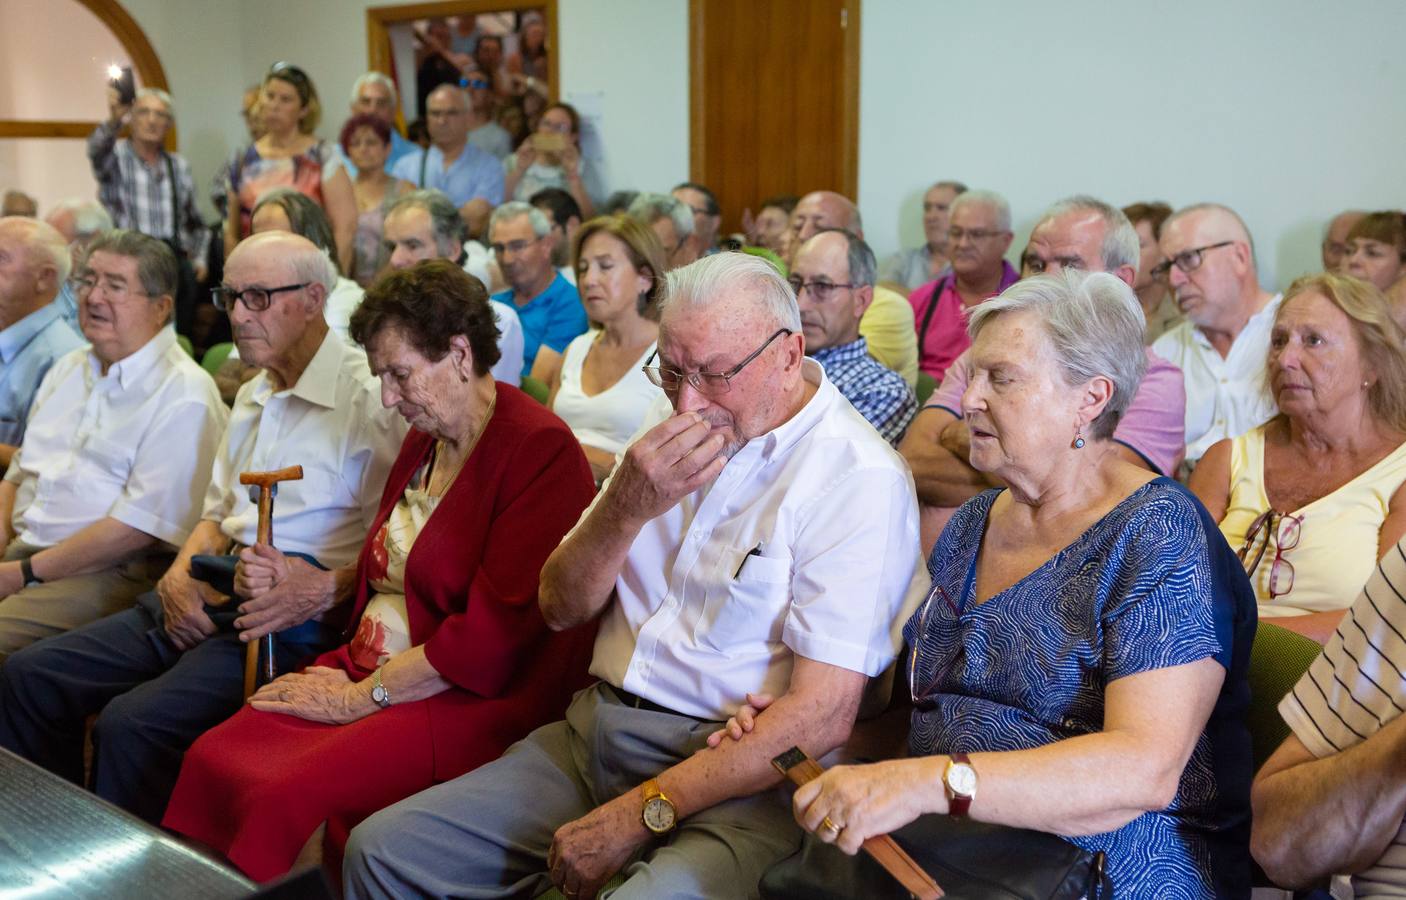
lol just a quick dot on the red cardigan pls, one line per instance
(471, 581)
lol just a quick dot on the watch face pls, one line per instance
(378, 694)
(659, 815)
(962, 780)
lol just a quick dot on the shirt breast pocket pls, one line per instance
(746, 605)
(108, 460)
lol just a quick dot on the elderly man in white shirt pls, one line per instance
(170, 668)
(109, 477)
(761, 541)
(1222, 345)
(424, 225)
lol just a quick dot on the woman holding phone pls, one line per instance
(551, 158)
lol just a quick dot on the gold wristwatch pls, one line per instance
(658, 814)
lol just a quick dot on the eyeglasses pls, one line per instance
(112, 288)
(443, 113)
(920, 696)
(1188, 261)
(255, 299)
(955, 235)
(710, 383)
(822, 291)
(150, 114)
(1285, 537)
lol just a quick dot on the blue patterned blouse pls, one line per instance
(1152, 584)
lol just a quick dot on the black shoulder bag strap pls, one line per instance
(927, 315)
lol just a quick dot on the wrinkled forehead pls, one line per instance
(1078, 233)
(260, 264)
(115, 265)
(711, 337)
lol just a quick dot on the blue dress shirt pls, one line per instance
(27, 349)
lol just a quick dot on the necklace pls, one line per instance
(454, 473)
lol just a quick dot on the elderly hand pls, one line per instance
(183, 602)
(317, 694)
(865, 801)
(281, 591)
(672, 460)
(956, 438)
(743, 721)
(587, 853)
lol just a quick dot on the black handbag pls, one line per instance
(968, 859)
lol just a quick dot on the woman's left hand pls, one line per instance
(864, 801)
(571, 161)
(318, 694)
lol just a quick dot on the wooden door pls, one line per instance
(775, 99)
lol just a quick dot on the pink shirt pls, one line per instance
(945, 336)
(1153, 427)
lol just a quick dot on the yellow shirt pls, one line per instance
(1338, 537)
(893, 338)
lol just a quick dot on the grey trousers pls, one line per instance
(486, 834)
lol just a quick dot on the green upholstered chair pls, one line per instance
(216, 356)
(186, 345)
(926, 385)
(1277, 661)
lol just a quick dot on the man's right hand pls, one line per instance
(183, 606)
(672, 460)
(116, 110)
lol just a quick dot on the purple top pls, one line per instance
(1154, 426)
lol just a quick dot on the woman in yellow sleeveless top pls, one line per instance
(1314, 497)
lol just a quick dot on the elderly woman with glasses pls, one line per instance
(289, 154)
(1314, 497)
(447, 659)
(1079, 666)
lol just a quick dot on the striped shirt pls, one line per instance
(1357, 687)
(879, 394)
(138, 193)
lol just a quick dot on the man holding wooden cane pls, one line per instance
(170, 668)
(762, 539)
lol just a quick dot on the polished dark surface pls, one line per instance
(58, 840)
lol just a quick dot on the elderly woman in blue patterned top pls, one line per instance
(1079, 665)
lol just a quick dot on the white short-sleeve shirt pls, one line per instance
(333, 425)
(1354, 689)
(1225, 396)
(133, 445)
(511, 344)
(829, 507)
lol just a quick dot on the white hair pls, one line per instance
(648, 208)
(722, 276)
(1095, 325)
(985, 198)
(541, 225)
(161, 95)
(1120, 242)
(89, 216)
(313, 264)
(375, 78)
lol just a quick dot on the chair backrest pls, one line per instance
(536, 389)
(186, 345)
(1278, 660)
(216, 356)
(926, 385)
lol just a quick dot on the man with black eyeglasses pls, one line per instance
(168, 669)
(1221, 347)
(833, 278)
(754, 553)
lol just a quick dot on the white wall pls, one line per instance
(1285, 110)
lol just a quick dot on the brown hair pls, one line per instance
(1388, 226)
(1378, 334)
(1153, 212)
(641, 246)
(307, 92)
(431, 302)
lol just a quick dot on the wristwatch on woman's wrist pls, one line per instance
(959, 780)
(379, 692)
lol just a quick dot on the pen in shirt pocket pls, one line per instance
(755, 551)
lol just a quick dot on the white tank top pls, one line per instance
(608, 419)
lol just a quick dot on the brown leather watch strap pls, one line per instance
(799, 768)
(958, 804)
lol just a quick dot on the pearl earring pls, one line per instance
(1079, 438)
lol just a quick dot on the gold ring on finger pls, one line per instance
(831, 826)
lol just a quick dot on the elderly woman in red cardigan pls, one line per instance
(447, 659)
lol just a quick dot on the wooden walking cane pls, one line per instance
(263, 486)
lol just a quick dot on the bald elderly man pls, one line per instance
(1222, 345)
(163, 672)
(469, 177)
(34, 265)
(887, 325)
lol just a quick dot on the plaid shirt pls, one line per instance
(138, 194)
(879, 394)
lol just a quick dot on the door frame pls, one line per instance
(849, 119)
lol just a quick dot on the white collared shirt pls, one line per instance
(1225, 396)
(133, 445)
(699, 619)
(333, 425)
